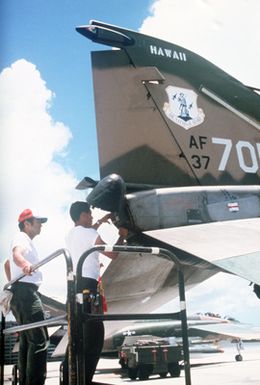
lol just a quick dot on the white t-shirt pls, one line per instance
(30, 254)
(79, 240)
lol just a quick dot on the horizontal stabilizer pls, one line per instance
(53, 306)
(85, 183)
(232, 246)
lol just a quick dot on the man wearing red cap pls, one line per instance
(26, 304)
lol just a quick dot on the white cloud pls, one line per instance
(31, 176)
(226, 295)
(223, 294)
(227, 34)
(224, 32)
(28, 127)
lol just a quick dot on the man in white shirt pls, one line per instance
(26, 304)
(81, 238)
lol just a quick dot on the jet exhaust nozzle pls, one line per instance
(108, 194)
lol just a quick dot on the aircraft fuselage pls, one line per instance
(181, 206)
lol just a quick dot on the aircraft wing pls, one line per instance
(53, 307)
(231, 246)
(210, 328)
(228, 331)
(142, 283)
(61, 347)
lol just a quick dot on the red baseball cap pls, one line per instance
(27, 214)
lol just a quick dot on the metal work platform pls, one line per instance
(76, 317)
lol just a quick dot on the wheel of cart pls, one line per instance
(15, 375)
(132, 373)
(144, 372)
(174, 369)
(163, 375)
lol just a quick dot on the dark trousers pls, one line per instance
(93, 339)
(27, 307)
(93, 335)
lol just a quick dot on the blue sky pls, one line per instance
(47, 119)
(43, 32)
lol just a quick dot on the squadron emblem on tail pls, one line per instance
(182, 107)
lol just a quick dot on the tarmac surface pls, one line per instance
(208, 369)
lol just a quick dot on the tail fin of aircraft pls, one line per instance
(167, 117)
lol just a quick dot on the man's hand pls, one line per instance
(104, 219)
(27, 269)
(123, 232)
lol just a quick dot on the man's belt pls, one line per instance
(24, 285)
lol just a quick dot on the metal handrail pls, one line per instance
(41, 263)
(70, 306)
(164, 253)
(53, 321)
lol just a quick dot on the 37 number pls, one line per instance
(200, 161)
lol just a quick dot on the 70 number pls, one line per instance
(240, 147)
